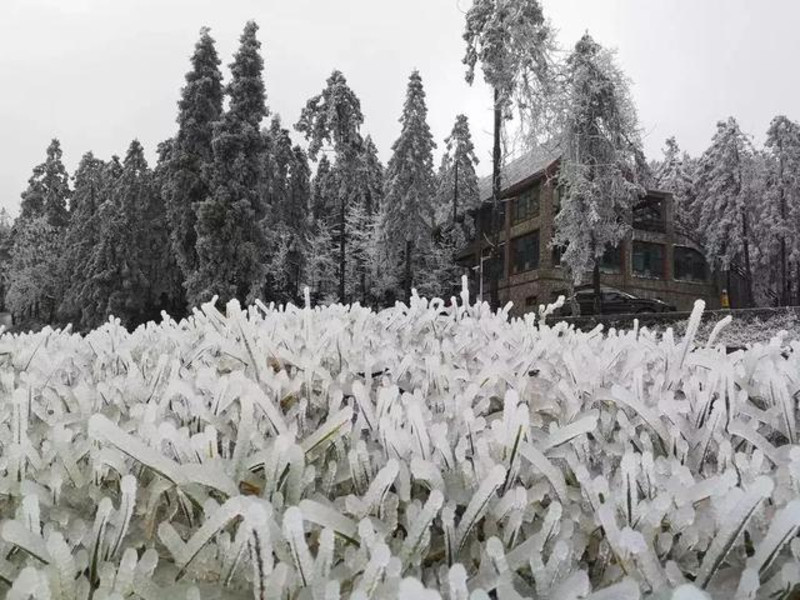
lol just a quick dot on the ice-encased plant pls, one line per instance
(427, 450)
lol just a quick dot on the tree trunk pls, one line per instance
(797, 281)
(598, 297)
(496, 187)
(785, 296)
(455, 193)
(407, 282)
(747, 269)
(342, 247)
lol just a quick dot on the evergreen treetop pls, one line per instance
(48, 189)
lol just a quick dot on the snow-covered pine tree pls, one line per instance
(456, 195)
(322, 190)
(599, 161)
(321, 251)
(725, 206)
(457, 182)
(230, 241)
(514, 44)
(123, 268)
(82, 234)
(5, 253)
(296, 216)
(781, 214)
(362, 224)
(292, 222)
(277, 165)
(185, 181)
(675, 174)
(410, 187)
(321, 265)
(48, 189)
(35, 275)
(333, 118)
(167, 291)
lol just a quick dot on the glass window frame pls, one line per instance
(663, 262)
(515, 251)
(675, 258)
(531, 200)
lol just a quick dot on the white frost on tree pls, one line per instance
(725, 204)
(598, 167)
(410, 187)
(675, 174)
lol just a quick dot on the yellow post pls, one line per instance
(725, 302)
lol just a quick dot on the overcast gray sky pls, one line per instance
(98, 73)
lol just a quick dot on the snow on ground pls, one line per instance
(415, 452)
(750, 330)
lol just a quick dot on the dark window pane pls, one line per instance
(526, 205)
(525, 253)
(484, 218)
(611, 261)
(649, 215)
(557, 252)
(690, 265)
(557, 192)
(648, 260)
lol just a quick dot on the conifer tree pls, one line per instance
(322, 190)
(167, 291)
(675, 174)
(278, 158)
(725, 204)
(321, 252)
(782, 209)
(82, 234)
(457, 181)
(185, 181)
(291, 225)
(121, 268)
(5, 253)
(513, 42)
(363, 221)
(410, 186)
(333, 118)
(230, 241)
(599, 162)
(35, 275)
(48, 189)
(35, 279)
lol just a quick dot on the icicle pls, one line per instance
(732, 527)
(421, 525)
(295, 536)
(478, 505)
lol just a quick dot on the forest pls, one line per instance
(241, 205)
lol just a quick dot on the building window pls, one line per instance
(531, 301)
(650, 216)
(648, 260)
(525, 253)
(499, 262)
(690, 265)
(484, 218)
(526, 205)
(611, 261)
(558, 191)
(558, 252)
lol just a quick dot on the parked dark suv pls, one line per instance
(615, 302)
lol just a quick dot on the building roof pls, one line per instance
(519, 170)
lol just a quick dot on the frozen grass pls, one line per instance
(745, 331)
(422, 451)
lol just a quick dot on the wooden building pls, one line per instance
(655, 260)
